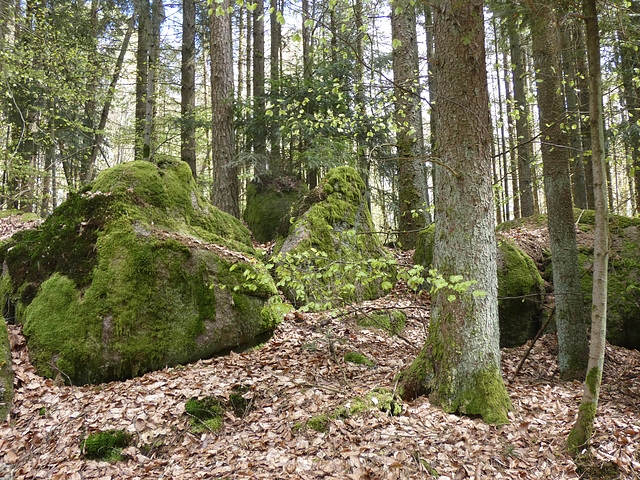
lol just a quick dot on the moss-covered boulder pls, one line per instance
(520, 295)
(135, 273)
(269, 202)
(6, 372)
(520, 288)
(623, 303)
(331, 255)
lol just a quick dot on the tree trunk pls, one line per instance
(411, 179)
(276, 45)
(188, 86)
(225, 188)
(143, 10)
(582, 429)
(576, 162)
(99, 132)
(573, 344)
(524, 147)
(460, 362)
(260, 137)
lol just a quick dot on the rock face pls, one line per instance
(135, 273)
(331, 255)
(623, 303)
(520, 289)
(269, 202)
(6, 373)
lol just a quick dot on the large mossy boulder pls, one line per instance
(331, 255)
(520, 288)
(6, 372)
(623, 303)
(135, 273)
(269, 202)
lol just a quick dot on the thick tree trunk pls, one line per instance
(188, 86)
(411, 178)
(460, 362)
(260, 137)
(581, 431)
(225, 188)
(521, 106)
(573, 343)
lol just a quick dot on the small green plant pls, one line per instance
(319, 423)
(106, 445)
(358, 358)
(206, 413)
(455, 284)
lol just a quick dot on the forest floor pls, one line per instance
(300, 373)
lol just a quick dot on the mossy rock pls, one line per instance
(520, 288)
(392, 321)
(6, 372)
(269, 202)
(105, 445)
(339, 258)
(520, 295)
(623, 302)
(135, 273)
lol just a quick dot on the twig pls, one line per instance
(539, 334)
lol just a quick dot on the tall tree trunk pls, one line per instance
(260, 137)
(411, 179)
(501, 121)
(188, 86)
(573, 344)
(513, 161)
(523, 132)
(582, 429)
(576, 162)
(157, 17)
(225, 190)
(143, 10)
(276, 45)
(364, 165)
(99, 132)
(307, 45)
(460, 362)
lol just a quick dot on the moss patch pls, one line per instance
(319, 423)
(106, 446)
(357, 358)
(392, 321)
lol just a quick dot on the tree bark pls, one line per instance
(411, 179)
(573, 344)
(188, 86)
(225, 188)
(459, 364)
(260, 137)
(523, 132)
(276, 45)
(143, 11)
(582, 429)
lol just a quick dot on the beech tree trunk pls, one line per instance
(573, 344)
(225, 189)
(459, 364)
(581, 431)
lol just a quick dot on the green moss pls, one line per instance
(590, 468)
(580, 434)
(319, 423)
(273, 312)
(393, 321)
(358, 358)
(485, 395)
(206, 413)
(106, 446)
(385, 401)
(423, 254)
(6, 372)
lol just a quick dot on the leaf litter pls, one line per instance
(298, 374)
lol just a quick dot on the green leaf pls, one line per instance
(396, 43)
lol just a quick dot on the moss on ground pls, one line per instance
(135, 273)
(106, 446)
(207, 413)
(392, 321)
(357, 358)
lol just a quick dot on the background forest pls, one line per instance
(316, 84)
